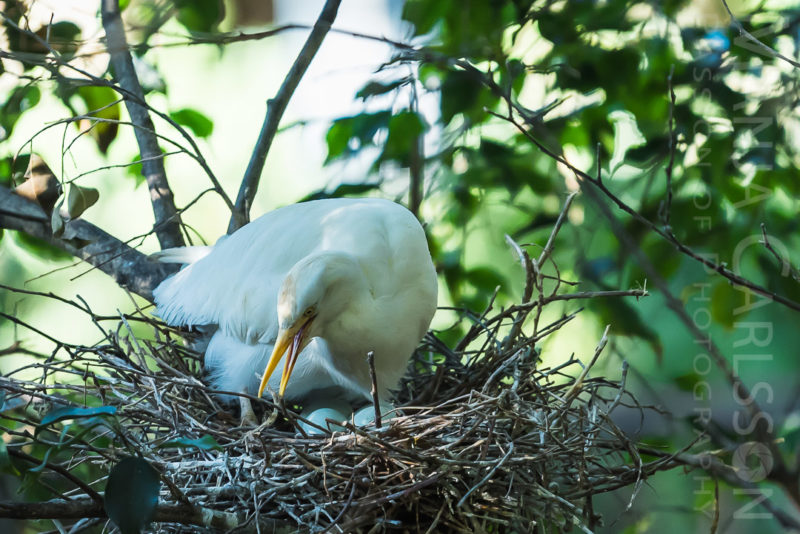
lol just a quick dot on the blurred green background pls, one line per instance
(372, 118)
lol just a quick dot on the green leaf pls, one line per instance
(101, 102)
(625, 319)
(404, 131)
(342, 190)
(687, 382)
(200, 15)
(5, 460)
(350, 134)
(131, 495)
(134, 168)
(725, 299)
(198, 123)
(61, 414)
(377, 88)
(461, 92)
(338, 137)
(12, 171)
(205, 443)
(79, 199)
(424, 15)
(21, 100)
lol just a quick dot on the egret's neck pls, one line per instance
(376, 323)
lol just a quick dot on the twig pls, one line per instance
(763, 432)
(718, 268)
(374, 391)
(169, 233)
(165, 513)
(93, 495)
(416, 167)
(488, 475)
(786, 266)
(752, 38)
(578, 385)
(672, 141)
(275, 109)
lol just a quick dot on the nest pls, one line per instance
(490, 440)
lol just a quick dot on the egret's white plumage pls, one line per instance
(342, 276)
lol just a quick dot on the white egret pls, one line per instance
(323, 282)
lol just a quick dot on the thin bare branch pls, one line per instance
(753, 39)
(168, 227)
(170, 513)
(275, 109)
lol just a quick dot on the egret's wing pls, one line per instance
(236, 285)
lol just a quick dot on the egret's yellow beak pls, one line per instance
(291, 338)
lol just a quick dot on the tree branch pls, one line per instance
(168, 227)
(128, 267)
(667, 235)
(275, 110)
(165, 513)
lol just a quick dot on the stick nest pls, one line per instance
(491, 439)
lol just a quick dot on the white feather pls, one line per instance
(180, 254)
(235, 285)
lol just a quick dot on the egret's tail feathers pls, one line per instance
(180, 254)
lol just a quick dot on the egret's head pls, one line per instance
(316, 289)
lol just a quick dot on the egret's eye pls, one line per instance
(309, 312)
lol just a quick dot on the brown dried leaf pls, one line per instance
(41, 185)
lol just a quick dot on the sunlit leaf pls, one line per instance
(626, 137)
(200, 125)
(102, 103)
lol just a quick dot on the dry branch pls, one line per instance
(168, 227)
(127, 266)
(275, 108)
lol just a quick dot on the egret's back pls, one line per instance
(236, 285)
